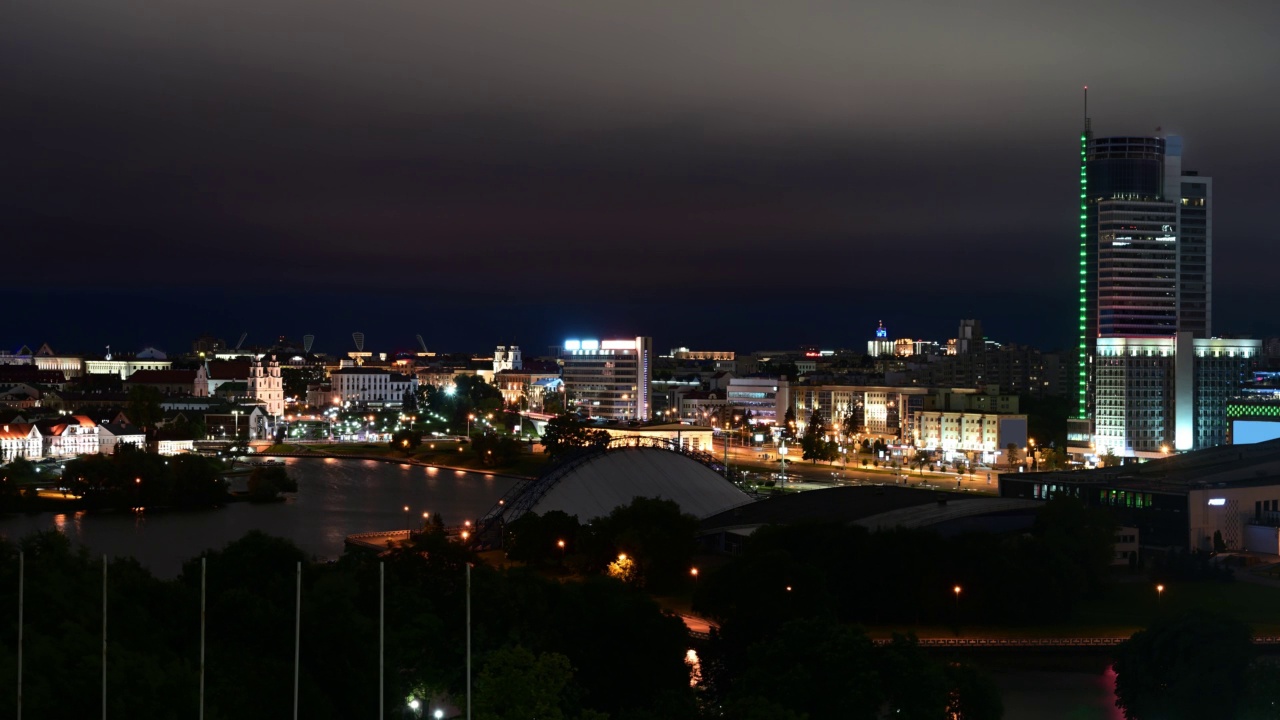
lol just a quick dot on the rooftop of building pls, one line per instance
(873, 506)
(1222, 466)
(162, 377)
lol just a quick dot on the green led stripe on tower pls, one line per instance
(1084, 294)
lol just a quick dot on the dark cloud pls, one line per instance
(910, 159)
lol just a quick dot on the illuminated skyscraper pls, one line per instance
(1146, 239)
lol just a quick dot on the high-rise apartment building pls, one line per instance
(609, 378)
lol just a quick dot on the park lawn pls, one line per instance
(1128, 608)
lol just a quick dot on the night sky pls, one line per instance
(718, 174)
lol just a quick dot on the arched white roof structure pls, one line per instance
(595, 487)
(593, 483)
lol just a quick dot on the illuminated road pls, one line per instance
(753, 460)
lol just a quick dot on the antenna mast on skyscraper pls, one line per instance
(1086, 109)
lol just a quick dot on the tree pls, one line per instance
(798, 666)
(495, 449)
(1110, 459)
(814, 442)
(144, 406)
(515, 684)
(789, 425)
(652, 532)
(407, 439)
(922, 459)
(564, 434)
(1011, 451)
(850, 424)
(267, 482)
(1191, 665)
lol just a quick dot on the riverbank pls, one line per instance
(531, 467)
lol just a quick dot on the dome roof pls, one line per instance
(602, 481)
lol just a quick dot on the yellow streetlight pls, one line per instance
(622, 556)
(1159, 593)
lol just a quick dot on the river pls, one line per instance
(335, 498)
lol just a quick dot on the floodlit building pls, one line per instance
(1145, 261)
(1162, 394)
(766, 399)
(69, 436)
(19, 440)
(609, 378)
(112, 435)
(265, 386)
(371, 386)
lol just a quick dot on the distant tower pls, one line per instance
(358, 337)
(507, 357)
(266, 386)
(969, 339)
(307, 342)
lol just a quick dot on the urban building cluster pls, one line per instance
(1146, 379)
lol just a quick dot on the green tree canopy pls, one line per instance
(1192, 665)
(564, 434)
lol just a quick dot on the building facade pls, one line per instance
(1158, 395)
(20, 440)
(609, 378)
(69, 436)
(766, 399)
(265, 386)
(371, 386)
(1146, 242)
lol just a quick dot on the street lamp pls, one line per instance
(956, 590)
(560, 544)
(470, 417)
(782, 452)
(694, 573)
(406, 518)
(1159, 593)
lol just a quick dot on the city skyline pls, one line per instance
(773, 165)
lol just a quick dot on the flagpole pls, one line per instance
(297, 640)
(202, 621)
(382, 635)
(468, 641)
(104, 637)
(22, 566)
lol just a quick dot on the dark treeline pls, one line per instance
(907, 577)
(132, 478)
(599, 648)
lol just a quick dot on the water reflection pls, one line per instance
(335, 498)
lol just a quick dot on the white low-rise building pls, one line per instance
(111, 435)
(69, 436)
(688, 437)
(175, 447)
(371, 386)
(19, 440)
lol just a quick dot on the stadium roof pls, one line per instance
(600, 482)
